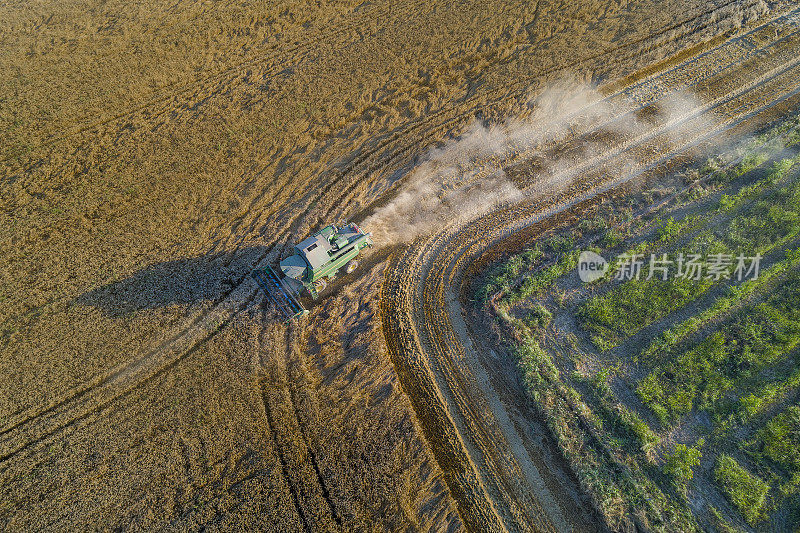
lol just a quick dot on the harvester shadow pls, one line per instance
(185, 281)
(193, 280)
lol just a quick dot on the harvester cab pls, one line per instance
(316, 260)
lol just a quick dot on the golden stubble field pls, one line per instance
(152, 154)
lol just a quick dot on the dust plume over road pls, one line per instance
(462, 180)
(465, 177)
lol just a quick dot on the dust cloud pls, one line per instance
(465, 177)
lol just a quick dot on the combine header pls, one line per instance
(316, 260)
(281, 295)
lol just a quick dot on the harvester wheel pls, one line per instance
(351, 266)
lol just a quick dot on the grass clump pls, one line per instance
(538, 318)
(504, 275)
(779, 441)
(633, 305)
(681, 462)
(544, 278)
(747, 492)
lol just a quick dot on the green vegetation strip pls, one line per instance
(755, 403)
(619, 487)
(664, 344)
(759, 228)
(759, 336)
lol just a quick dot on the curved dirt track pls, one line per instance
(740, 83)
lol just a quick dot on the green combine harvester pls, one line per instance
(316, 261)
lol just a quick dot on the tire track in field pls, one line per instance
(279, 450)
(326, 496)
(426, 338)
(368, 162)
(82, 404)
(281, 394)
